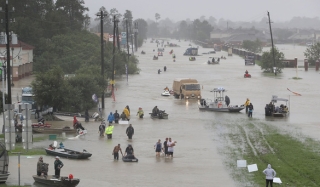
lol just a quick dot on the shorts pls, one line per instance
(158, 150)
(170, 153)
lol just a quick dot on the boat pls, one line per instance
(162, 115)
(247, 75)
(51, 180)
(125, 159)
(219, 104)
(212, 60)
(68, 153)
(4, 163)
(45, 130)
(277, 111)
(165, 93)
(155, 58)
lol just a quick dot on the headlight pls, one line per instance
(187, 97)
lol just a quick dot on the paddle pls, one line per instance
(294, 92)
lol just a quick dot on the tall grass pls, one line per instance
(296, 160)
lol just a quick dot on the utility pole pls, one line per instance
(127, 38)
(113, 55)
(131, 37)
(117, 31)
(136, 35)
(8, 53)
(274, 61)
(102, 15)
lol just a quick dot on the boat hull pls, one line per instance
(223, 109)
(4, 177)
(68, 153)
(52, 181)
(164, 116)
(54, 130)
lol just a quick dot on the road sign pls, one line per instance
(123, 38)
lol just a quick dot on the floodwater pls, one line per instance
(197, 160)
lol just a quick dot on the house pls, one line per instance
(21, 57)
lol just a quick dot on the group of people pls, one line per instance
(271, 108)
(249, 107)
(42, 168)
(167, 147)
(129, 152)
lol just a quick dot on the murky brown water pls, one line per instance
(196, 161)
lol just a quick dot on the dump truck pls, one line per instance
(186, 88)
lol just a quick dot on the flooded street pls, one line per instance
(198, 158)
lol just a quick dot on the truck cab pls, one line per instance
(186, 88)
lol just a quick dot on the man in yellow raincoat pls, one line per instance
(109, 131)
(127, 113)
(246, 104)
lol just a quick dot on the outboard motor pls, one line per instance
(41, 121)
(203, 102)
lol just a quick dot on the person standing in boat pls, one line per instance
(130, 131)
(250, 110)
(116, 117)
(57, 167)
(39, 166)
(115, 152)
(246, 104)
(227, 100)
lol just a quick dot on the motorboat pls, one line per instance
(277, 111)
(51, 180)
(166, 93)
(162, 115)
(155, 58)
(160, 54)
(218, 104)
(4, 163)
(247, 75)
(68, 153)
(143, 53)
(212, 60)
(45, 130)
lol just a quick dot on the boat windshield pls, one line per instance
(192, 87)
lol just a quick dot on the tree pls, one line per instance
(312, 53)
(49, 88)
(74, 10)
(157, 16)
(143, 28)
(267, 61)
(253, 46)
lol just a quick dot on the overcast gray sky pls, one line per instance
(234, 10)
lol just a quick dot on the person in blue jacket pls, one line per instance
(110, 117)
